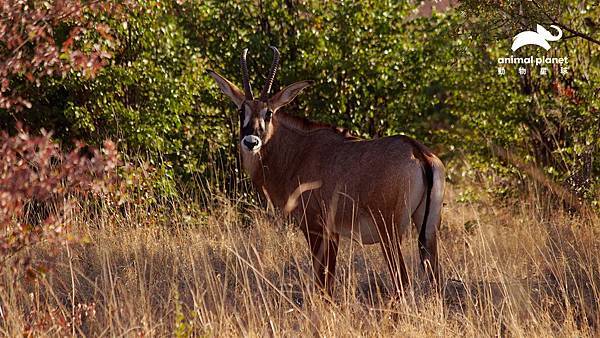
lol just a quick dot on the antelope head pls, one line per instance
(256, 115)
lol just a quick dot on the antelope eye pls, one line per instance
(268, 115)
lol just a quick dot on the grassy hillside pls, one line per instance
(178, 270)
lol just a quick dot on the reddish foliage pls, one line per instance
(29, 50)
(55, 320)
(33, 169)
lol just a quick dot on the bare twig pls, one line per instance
(565, 27)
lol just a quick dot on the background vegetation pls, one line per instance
(521, 152)
(380, 68)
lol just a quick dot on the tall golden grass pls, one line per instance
(178, 269)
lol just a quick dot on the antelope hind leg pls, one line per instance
(428, 246)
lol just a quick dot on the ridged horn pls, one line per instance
(265, 92)
(245, 78)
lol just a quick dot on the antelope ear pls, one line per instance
(228, 88)
(287, 94)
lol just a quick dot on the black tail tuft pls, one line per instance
(429, 181)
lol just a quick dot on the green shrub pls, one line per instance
(379, 70)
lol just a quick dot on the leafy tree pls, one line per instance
(379, 68)
(550, 121)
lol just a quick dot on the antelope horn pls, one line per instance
(271, 76)
(245, 79)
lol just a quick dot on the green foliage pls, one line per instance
(548, 121)
(379, 68)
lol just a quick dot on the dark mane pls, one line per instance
(305, 125)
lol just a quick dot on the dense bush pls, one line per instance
(39, 184)
(379, 68)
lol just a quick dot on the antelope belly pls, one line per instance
(363, 231)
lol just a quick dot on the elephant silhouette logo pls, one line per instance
(539, 38)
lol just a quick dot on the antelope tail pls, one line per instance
(429, 181)
(434, 178)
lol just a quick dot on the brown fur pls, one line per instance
(381, 179)
(336, 184)
(305, 125)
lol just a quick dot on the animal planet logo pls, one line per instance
(539, 38)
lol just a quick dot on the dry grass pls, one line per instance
(177, 270)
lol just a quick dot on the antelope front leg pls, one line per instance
(324, 255)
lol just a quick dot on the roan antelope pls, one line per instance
(336, 184)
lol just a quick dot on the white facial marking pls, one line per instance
(251, 143)
(263, 114)
(246, 116)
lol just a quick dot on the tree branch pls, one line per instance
(567, 28)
